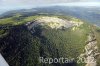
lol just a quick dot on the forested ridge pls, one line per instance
(21, 47)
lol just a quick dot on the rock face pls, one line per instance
(91, 51)
(53, 22)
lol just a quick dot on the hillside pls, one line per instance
(89, 14)
(24, 39)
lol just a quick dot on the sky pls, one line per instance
(18, 4)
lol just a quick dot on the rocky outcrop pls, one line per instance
(91, 51)
(52, 22)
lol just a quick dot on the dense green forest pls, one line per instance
(20, 47)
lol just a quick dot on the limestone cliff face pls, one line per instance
(91, 51)
(53, 22)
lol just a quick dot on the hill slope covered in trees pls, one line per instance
(24, 39)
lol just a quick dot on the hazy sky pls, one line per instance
(16, 4)
(38, 2)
